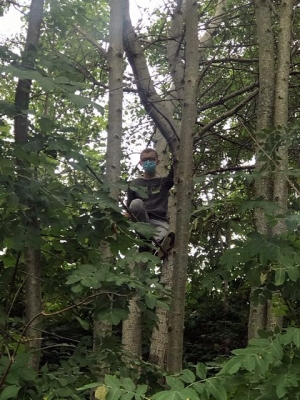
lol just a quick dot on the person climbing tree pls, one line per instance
(147, 201)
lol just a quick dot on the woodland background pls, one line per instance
(214, 87)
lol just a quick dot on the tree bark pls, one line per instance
(114, 136)
(272, 112)
(263, 184)
(184, 187)
(280, 190)
(132, 330)
(33, 297)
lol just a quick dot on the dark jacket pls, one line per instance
(154, 192)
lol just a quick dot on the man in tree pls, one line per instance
(147, 200)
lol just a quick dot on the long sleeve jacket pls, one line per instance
(154, 192)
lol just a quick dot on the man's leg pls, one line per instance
(161, 229)
(138, 210)
(165, 239)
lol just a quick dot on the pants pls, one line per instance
(137, 209)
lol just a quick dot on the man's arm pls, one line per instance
(169, 179)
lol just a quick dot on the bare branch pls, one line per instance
(225, 115)
(222, 100)
(91, 40)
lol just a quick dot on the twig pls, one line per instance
(91, 40)
(225, 115)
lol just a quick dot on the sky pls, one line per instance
(10, 23)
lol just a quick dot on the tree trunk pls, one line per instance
(263, 184)
(272, 111)
(132, 330)
(184, 187)
(114, 136)
(33, 302)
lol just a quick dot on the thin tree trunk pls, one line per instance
(114, 136)
(281, 104)
(184, 186)
(280, 192)
(263, 184)
(272, 112)
(132, 330)
(33, 297)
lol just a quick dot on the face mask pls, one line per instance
(149, 166)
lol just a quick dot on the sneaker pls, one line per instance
(166, 245)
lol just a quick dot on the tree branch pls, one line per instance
(225, 115)
(101, 50)
(222, 100)
(152, 102)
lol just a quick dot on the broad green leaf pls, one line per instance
(280, 276)
(281, 390)
(232, 366)
(188, 376)
(296, 337)
(64, 392)
(150, 301)
(128, 384)
(174, 383)
(216, 389)
(114, 393)
(293, 273)
(84, 324)
(276, 349)
(287, 338)
(176, 395)
(141, 389)
(127, 396)
(10, 392)
(249, 363)
(112, 381)
(201, 370)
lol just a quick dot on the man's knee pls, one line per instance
(136, 205)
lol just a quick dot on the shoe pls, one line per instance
(166, 245)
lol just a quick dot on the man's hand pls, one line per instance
(126, 214)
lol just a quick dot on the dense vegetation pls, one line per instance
(59, 217)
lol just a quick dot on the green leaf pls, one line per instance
(176, 395)
(249, 363)
(188, 376)
(150, 301)
(216, 389)
(114, 393)
(10, 392)
(141, 389)
(81, 101)
(296, 337)
(84, 324)
(128, 384)
(232, 366)
(112, 381)
(280, 276)
(281, 390)
(89, 386)
(293, 273)
(127, 396)
(276, 349)
(174, 383)
(201, 370)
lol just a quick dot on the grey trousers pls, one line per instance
(137, 208)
